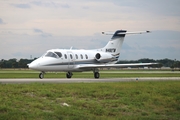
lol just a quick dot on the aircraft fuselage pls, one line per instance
(68, 60)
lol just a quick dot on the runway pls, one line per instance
(86, 80)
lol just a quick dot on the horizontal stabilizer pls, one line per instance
(125, 33)
(137, 32)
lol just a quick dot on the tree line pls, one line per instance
(22, 63)
(161, 63)
(14, 63)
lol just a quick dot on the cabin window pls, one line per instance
(76, 56)
(65, 56)
(71, 56)
(59, 54)
(51, 54)
(86, 56)
(81, 56)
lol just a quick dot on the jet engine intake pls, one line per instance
(103, 57)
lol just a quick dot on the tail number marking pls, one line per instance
(111, 50)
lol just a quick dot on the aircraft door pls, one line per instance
(70, 60)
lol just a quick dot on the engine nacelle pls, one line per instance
(103, 57)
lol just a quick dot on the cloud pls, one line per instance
(160, 7)
(50, 4)
(46, 35)
(38, 30)
(85, 7)
(41, 33)
(65, 5)
(62, 24)
(1, 21)
(44, 4)
(38, 3)
(22, 6)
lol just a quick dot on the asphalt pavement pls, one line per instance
(86, 80)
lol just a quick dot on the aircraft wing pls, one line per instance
(87, 66)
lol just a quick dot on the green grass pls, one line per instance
(85, 75)
(123, 100)
(26, 73)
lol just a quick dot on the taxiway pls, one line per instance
(86, 80)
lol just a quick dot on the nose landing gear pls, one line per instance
(69, 74)
(41, 75)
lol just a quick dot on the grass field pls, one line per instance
(120, 100)
(123, 100)
(103, 74)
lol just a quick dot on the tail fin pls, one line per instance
(115, 44)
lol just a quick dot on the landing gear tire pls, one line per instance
(69, 74)
(41, 75)
(96, 75)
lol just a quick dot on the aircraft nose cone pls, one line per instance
(33, 65)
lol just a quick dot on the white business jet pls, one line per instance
(70, 60)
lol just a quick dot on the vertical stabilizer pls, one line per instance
(115, 44)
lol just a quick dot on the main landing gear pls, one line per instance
(96, 73)
(69, 74)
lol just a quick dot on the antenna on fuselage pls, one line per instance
(71, 47)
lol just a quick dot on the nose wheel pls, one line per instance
(69, 74)
(41, 75)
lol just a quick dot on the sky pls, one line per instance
(28, 28)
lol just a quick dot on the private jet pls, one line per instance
(72, 60)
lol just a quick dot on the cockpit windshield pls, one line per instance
(50, 54)
(59, 54)
(53, 54)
